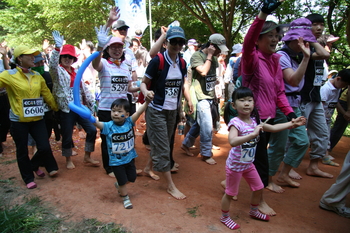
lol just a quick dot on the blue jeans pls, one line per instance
(203, 127)
(298, 144)
(68, 120)
(37, 129)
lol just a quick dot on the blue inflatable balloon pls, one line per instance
(76, 106)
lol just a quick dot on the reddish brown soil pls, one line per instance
(87, 192)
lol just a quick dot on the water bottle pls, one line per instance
(180, 128)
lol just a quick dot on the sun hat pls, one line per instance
(237, 48)
(219, 40)
(68, 49)
(22, 49)
(175, 32)
(114, 40)
(192, 42)
(332, 39)
(300, 28)
(38, 58)
(119, 24)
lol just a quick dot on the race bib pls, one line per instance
(119, 85)
(33, 107)
(122, 143)
(319, 69)
(210, 81)
(172, 88)
(248, 151)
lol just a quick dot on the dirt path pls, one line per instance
(86, 192)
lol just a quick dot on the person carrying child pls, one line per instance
(120, 139)
(243, 136)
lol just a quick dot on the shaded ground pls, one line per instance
(87, 192)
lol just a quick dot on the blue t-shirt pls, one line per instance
(120, 142)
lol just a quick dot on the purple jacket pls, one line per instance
(263, 74)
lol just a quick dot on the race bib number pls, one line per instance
(319, 69)
(119, 85)
(210, 82)
(248, 151)
(33, 107)
(122, 143)
(172, 88)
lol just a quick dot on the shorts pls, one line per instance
(125, 173)
(233, 180)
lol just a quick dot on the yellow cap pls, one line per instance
(22, 49)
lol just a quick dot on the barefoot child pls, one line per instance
(243, 138)
(120, 142)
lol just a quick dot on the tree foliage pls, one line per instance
(30, 21)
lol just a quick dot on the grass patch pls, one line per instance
(9, 161)
(194, 211)
(35, 216)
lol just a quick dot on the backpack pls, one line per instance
(141, 98)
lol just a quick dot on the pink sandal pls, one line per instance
(31, 185)
(40, 173)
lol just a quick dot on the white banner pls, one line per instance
(133, 12)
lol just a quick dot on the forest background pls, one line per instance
(31, 21)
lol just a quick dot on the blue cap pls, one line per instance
(38, 58)
(175, 32)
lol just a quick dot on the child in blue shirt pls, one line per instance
(120, 143)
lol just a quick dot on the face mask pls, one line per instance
(39, 69)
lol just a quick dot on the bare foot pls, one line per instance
(317, 172)
(138, 172)
(74, 153)
(275, 188)
(294, 175)
(53, 173)
(111, 174)
(176, 194)
(70, 165)
(176, 165)
(209, 160)
(215, 147)
(174, 169)
(91, 162)
(265, 209)
(151, 174)
(187, 150)
(288, 181)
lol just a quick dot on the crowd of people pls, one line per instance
(282, 98)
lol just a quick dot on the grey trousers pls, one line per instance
(336, 194)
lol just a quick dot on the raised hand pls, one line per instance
(102, 36)
(114, 14)
(270, 5)
(58, 39)
(305, 47)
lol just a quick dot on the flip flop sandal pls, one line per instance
(127, 202)
(31, 185)
(328, 161)
(39, 173)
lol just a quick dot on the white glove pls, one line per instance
(58, 38)
(102, 36)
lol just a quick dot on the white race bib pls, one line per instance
(122, 143)
(119, 85)
(33, 107)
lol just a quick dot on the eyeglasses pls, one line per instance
(67, 56)
(116, 47)
(175, 42)
(122, 29)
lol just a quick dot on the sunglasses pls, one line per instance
(67, 56)
(122, 29)
(175, 42)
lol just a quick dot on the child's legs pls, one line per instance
(255, 183)
(124, 173)
(233, 180)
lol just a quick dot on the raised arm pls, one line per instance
(103, 39)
